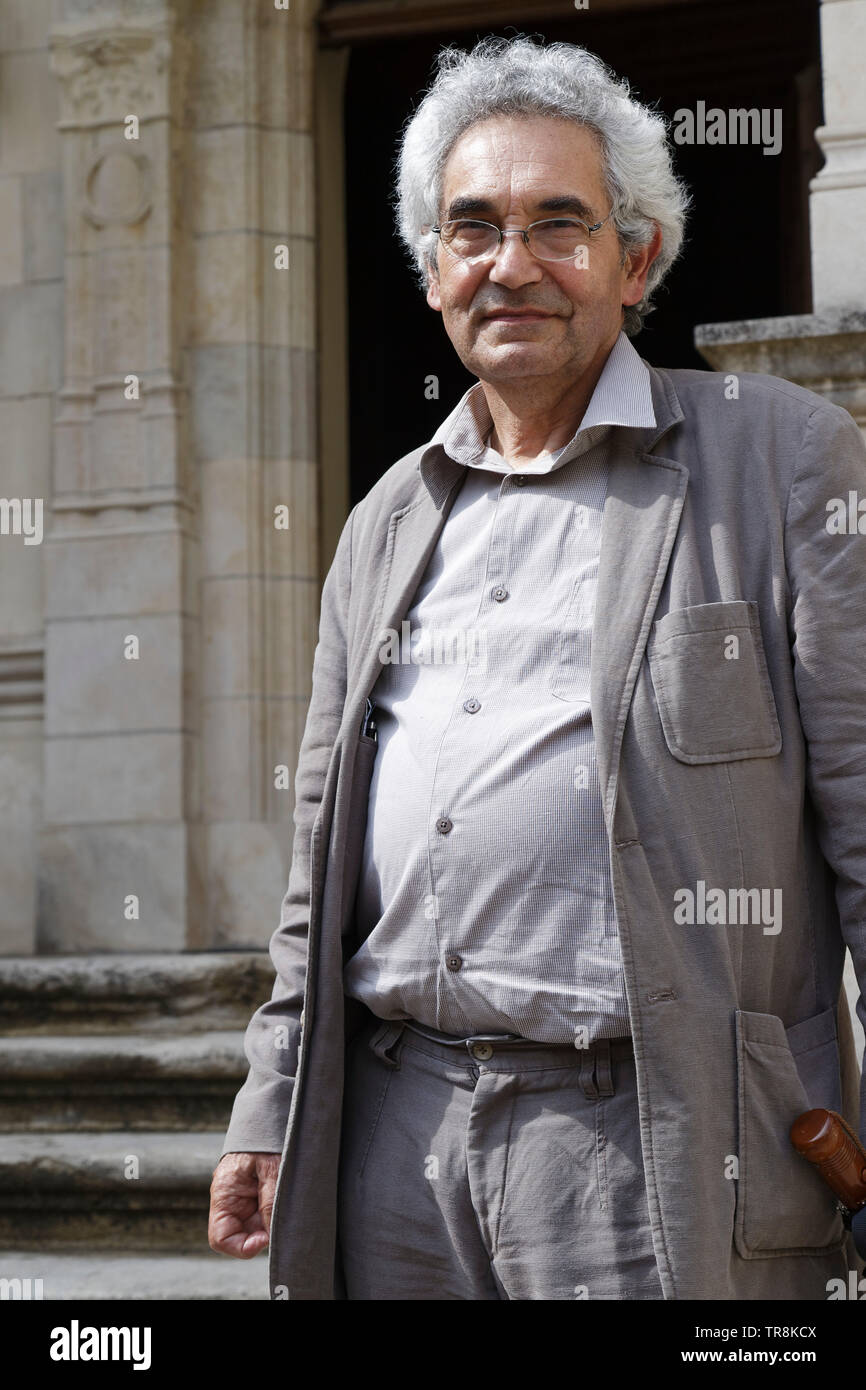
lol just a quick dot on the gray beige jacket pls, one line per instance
(731, 764)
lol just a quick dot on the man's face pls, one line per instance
(505, 170)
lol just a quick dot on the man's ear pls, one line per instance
(433, 297)
(638, 266)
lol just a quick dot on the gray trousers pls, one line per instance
(491, 1170)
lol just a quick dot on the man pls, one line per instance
(574, 879)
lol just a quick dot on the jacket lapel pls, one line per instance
(639, 524)
(412, 535)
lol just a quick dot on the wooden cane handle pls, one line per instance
(825, 1139)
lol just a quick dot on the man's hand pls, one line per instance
(241, 1201)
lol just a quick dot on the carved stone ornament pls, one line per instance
(117, 187)
(109, 73)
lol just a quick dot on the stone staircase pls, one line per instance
(117, 1076)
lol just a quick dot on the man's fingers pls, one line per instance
(239, 1223)
(268, 1169)
(242, 1246)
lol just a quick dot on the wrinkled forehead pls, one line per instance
(545, 163)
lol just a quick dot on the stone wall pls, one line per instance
(157, 392)
(31, 339)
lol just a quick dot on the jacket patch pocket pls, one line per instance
(711, 683)
(783, 1206)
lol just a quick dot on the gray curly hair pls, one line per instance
(518, 76)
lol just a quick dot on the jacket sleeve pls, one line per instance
(827, 577)
(261, 1106)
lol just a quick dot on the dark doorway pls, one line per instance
(746, 253)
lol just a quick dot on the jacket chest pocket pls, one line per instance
(711, 683)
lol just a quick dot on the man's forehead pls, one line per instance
(567, 163)
(525, 138)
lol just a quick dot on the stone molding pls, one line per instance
(826, 352)
(21, 677)
(109, 67)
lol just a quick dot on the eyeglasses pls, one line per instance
(553, 239)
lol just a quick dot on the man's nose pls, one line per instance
(513, 259)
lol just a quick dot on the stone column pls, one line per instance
(120, 853)
(253, 376)
(31, 324)
(824, 350)
(838, 201)
(189, 266)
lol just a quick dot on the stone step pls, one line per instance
(196, 991)
(61, 1277)
(111, 1081)
(125, 1190)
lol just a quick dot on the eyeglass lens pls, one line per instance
(556, 239)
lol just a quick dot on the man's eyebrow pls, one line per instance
(470, 205)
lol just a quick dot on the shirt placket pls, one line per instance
(449, 833)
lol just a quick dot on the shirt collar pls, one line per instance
(622, 396)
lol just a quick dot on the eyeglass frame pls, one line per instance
(524, 232)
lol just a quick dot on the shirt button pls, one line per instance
(472, 706)
(482, 1052)
(519, 481)
(499, 593)
(454, 962)
(443, 825)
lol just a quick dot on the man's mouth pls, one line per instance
(518, 314)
